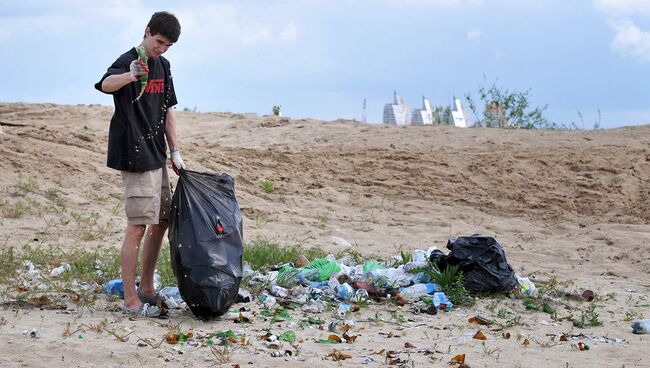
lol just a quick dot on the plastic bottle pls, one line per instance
(344, 291)
(114, 287)
(527, 287)
(279, 291)
(641, 326)
(315, 293)
(441, 301)
(172, 297)
(308, 274)
(342, 309)
(417, 291)
(314, 306)
(268, 300)
(361, 295)
(332, 284)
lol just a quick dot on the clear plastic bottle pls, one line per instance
(268, 300)
(279, 291)
(641, 326)
(361, 295)
(417, 291)
(441, 301)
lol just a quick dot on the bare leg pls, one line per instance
(152, 244)
(129, 258)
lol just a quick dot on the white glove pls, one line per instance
(137, 69)
(177, 160)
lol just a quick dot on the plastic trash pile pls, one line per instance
(328, 280)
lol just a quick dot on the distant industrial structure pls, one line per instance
(461, 117)
(397, 113)
(363, 115)
(423, 116)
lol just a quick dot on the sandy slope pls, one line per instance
(571, 204)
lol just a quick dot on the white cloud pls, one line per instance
(631, 41)
(499, 54)
(623, 7)
(474, 35)
(220, 25)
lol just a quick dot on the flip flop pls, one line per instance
(146, 310)
(151, 300)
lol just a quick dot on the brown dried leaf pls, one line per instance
(526, 342)
(408, 345)
(479, 335)
(506, 335)
(458, 359)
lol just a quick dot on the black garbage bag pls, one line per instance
(206, 242)
(482, 261)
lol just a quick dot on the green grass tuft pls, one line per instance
(261, 253)
(267, 186)
(451, 280)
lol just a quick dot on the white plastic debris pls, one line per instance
(172, 297)
(340, 241)
(527, 287)
(60, 270)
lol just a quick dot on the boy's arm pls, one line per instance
(172, 142)
(170, 130)
(114, 82)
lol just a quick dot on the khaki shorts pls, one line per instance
(147, 196)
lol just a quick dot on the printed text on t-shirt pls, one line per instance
(155, 86)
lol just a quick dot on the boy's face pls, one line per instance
(155, 45)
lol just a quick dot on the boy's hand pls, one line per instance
(177, 161)
(137, 69)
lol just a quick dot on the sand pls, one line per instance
(566, 204)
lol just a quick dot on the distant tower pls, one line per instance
(396, 113)
(423, 116)
(363, 114)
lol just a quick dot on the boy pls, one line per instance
(136, 147)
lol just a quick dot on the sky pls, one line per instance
(587, 60)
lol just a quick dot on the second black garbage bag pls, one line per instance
(206, 242)
(482, 261)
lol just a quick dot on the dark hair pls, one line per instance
(166, 24)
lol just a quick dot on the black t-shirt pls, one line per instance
(136, 137)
